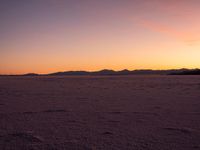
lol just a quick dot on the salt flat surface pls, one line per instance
(100, 113)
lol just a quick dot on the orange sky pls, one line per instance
(45, 36)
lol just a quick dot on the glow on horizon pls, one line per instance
(44, 36)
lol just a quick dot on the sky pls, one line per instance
(44, 36)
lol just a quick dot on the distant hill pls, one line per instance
(122, 72)
(187, 72)
(69, 73)
(31, 74)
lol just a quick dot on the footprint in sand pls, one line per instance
(23, 136)
(180, 130)
(19, 141)
(107, 133)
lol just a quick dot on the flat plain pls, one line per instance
(100, 113)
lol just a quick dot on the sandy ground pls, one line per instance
(100, 113)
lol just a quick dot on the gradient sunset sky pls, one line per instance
(45, 36)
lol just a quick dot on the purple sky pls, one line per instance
(54, 35)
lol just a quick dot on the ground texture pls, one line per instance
(100, 113)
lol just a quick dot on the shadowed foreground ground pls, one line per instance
(100, 113)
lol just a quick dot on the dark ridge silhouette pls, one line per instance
(31, 74)
(121, 72)
(104, 72)
(188, 72)
(28, 74)
(125, 71)
(69, 73)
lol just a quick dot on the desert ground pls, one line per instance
(100, 113)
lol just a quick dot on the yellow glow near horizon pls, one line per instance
(48, 36)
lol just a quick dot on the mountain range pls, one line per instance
(121, 72)
(124, 72)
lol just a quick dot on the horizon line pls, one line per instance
(98, 71)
